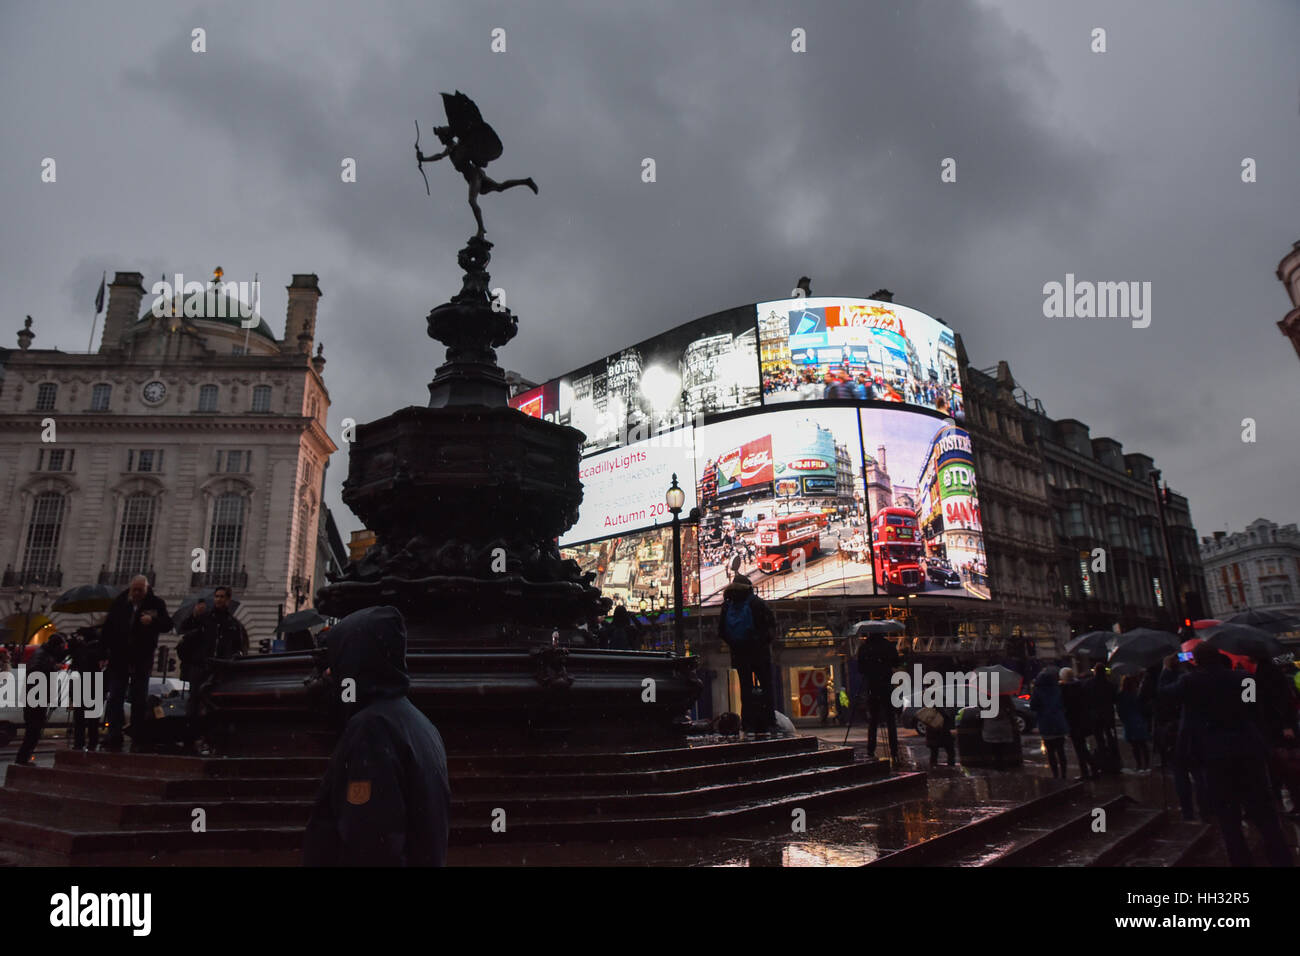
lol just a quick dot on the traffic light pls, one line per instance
(264, 646)
(162, 659)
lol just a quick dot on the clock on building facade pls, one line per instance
(154, 392)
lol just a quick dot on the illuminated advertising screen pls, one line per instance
(701, 368)
(922, 467)
(814, 349)
(781, 500)
(636, 568)
(623, 490)
(540, 402)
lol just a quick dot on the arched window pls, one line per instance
(261, 398)
(225, 537)
(208, 398)
(46, 392)
(99, 397)
(305, 540)
(41, 554)
(135, 535)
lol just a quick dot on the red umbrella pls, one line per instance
(1238, 660)
(1205, 622)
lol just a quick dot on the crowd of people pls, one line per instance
(817, 382)
(125, 647)
(1230, 739)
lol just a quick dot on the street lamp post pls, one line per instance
(1173, 601)
(675, 499)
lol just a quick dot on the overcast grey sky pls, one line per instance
(1123, 165)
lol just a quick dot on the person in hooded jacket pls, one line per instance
(1047, 703)
(45, 661)
(385, 799)
(877, 658)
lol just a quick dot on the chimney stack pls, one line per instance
(124, 298)
(300, 321)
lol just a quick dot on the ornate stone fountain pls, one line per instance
(467, 498)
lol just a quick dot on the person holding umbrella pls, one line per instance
(1234, 754)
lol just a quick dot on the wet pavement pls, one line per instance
(853, 836)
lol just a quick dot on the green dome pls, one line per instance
(217, 306)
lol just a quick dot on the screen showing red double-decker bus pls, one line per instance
(787, 542)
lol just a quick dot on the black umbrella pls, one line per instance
(207, 596)
(866, 628)
(1243, 639)
(299, 621)
(1142, 647)
(1274, 622)
(86, 599)
(1093, 644)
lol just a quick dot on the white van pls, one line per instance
(11, 715)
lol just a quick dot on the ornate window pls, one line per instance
(225, 536)
(46, 392)
(43, 532)
(99, 397)
(261, 398)
(207, 398)
(135, 535)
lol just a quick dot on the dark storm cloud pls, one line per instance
(770, 165)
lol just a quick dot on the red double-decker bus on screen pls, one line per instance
(780, 539)
(896, 549)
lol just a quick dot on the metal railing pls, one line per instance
(121, 579)
(15, 579)
(199, 579)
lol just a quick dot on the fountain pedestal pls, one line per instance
(466, 499)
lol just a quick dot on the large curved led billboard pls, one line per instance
(813, 349)
(774, 419)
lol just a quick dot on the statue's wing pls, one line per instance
(482, 143)
(462, 114)
(466, 122)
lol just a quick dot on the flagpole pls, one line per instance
(248, 329)
(99, 306)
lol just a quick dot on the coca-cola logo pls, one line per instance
(755, 463)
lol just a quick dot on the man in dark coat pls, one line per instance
(1078, 717)
(1101, 695)
(385, 799)
(207, 635)
(748, 627)
(46, 662)
(877, 658)
(135, 620)
(1233, 751)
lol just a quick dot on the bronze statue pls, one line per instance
(471, 144)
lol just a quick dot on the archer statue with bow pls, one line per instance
(471, 144)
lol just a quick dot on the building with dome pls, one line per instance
(191, 447)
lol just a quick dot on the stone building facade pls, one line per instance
(185, 434)
(1019, 543)
(1258, 568)
(1071, 522)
